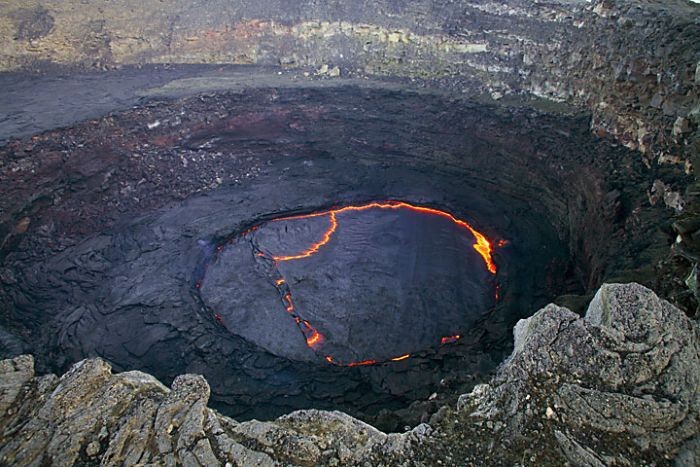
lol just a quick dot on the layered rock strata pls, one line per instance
(635, 65)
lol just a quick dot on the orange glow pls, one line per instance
(316, 338)
(402, 357)
(362, 363)
(482, 245)
(247, 231)
(450, 339)
(312, 336)
(332, 361)
(288, 305)
(316, 246)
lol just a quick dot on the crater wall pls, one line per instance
(634, 65)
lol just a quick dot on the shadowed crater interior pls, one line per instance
(233, 235)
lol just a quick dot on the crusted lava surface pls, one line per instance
(134, 237)
(354, 286)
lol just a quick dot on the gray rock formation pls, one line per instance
(618, 387)
(90, 415)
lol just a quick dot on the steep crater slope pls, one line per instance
(109, 225)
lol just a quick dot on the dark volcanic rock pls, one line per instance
(369, 285)
(107, 228)
(102, 256)
(632, 64)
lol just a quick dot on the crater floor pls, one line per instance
(352, 286)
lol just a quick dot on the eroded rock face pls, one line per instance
(633, 64)
(90, 415)
(619, 386)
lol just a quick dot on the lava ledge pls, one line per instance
(619, 386)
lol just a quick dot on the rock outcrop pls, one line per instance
(618, 387)
(90, 415)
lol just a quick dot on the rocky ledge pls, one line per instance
(619, 386)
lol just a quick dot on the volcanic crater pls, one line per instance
(361, 248)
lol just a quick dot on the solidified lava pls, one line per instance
(128, 218)
(276, 256)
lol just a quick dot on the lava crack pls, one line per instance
(314, 338)
(482, 246)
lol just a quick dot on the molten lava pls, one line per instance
(402, 357)
(450, 339)
(482, 245)
(314, 339)
(316, 246)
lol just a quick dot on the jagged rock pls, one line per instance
(91, 415)
(661, 191)
(620, 386)
(616, 386)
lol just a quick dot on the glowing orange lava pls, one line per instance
(362, 363)
(332, 361)
(450, 339)
(315, 339)
(316, 246)
(402, 357)
(482, 245)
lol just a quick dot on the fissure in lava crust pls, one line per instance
(313, 337)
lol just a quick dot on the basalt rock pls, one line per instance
(617, 387)
(126, 218)
(633, 66)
